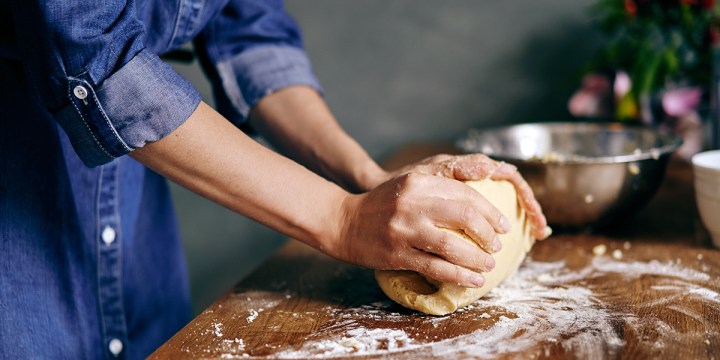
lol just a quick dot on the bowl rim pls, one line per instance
(673, 142)
(700, 160)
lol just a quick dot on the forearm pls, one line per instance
(298, 123)
(208, 155)
(393, 226)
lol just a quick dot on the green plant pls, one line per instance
(659, 44)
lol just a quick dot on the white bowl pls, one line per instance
(706, 168)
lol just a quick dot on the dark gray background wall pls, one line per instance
(401, 71)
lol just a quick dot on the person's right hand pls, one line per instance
(397, 226)
(479, 167)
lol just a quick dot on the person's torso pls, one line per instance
(91, 260)
(168, 24)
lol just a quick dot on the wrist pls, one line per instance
(370, 176)
(333, 229)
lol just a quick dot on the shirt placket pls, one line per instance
(110, 263)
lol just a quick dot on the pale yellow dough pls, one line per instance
(415, 291)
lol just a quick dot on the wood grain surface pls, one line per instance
(654, 293)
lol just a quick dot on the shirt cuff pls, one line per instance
(140, 103)
(262, 70)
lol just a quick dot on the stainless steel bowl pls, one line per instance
(583, 174)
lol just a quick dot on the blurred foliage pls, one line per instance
(659, 43)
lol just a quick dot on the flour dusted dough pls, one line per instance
(415, 291)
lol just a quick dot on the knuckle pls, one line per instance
(419, 179)
(393, 226)
(475, 232)
(510, 167)
(402, 181)
(486, 236)
(394, 232)
(410, 180)
(445, 245)
(458, 275)
(468, 213)
(412, 177)
(497, 215)
(478, 157)
(425, 267)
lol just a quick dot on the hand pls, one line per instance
(480, 167)
(396, 226)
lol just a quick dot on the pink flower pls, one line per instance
(591, 99)
(680, 101)
(596, 96)
(622, 84)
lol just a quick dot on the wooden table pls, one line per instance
(654, 293)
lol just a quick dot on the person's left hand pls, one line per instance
(480, 167)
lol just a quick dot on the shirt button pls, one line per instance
(108, 235)
(115, 346)
(80, 92)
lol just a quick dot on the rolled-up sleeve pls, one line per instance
(88, 65)
(253, 48)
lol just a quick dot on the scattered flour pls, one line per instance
(253, 315)
(706, 293)
(217, 329)
(634, 269)
(599, 250)
(260, 298)
(543, 302)
(232, 347)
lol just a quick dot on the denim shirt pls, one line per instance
(90, 260)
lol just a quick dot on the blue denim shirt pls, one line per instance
(90, 261)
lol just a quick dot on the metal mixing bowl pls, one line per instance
(583, 174)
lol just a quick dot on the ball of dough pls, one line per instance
(415, 291)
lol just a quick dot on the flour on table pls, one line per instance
(253, 315)
(543, 302)
(232, 346)
(599, 250)
(217, 329)
(541, 311)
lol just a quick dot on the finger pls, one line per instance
(425, 166)
(479, 166)
(458, 251)
(527, 198)
(477, 229)
(468, 210)
(435, 159)
(467, 167)
(443, 271)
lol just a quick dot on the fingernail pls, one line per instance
(477, 280)
(547, 231)
(496, 244)
(504, 224)
(490, 263)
